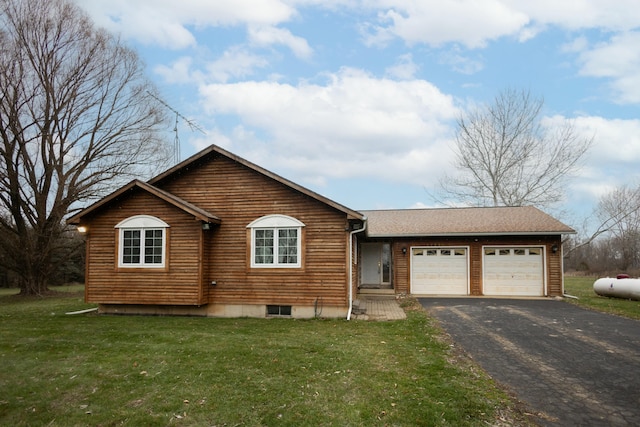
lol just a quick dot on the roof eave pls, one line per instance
(76, 219)
(181, 204)
(161, 194)
(519, 233)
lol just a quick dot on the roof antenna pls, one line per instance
(176, 141)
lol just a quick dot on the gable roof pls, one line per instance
(176, 201)
(214, 149)
(524, 220)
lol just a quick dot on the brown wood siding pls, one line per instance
(402, 268)
(239, 195)
(554, 269)
(176, 284)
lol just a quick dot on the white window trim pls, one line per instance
(276, 222)
(142, 223)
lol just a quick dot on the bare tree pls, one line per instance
(613, 245)
(620, 210)
(506, 157)
(77, 117)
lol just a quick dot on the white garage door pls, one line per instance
(513, 271)
(439, 271)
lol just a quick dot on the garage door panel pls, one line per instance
(513, 271)
(439, 271)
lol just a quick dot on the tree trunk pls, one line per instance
(33, 286)
(36, 269)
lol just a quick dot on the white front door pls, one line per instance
(375, 267)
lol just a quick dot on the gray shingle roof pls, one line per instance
(462, 221)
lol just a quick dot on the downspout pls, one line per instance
(564, 294)
(364, 227)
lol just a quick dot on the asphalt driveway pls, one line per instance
(572, 367)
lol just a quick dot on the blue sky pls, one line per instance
(357, 100)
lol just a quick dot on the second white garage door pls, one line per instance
(513, 271)
(439, 271)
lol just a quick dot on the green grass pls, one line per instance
(61, 370)
(582, 287)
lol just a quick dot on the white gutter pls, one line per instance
(458, 234)
(364, 227)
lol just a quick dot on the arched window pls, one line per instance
(142, 242)
(276, 242)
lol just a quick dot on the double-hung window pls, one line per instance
(276, 242)
(142, 242)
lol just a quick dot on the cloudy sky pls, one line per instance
(357, 99)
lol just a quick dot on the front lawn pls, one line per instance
(582, 287)
(65, 370)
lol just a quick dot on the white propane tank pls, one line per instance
(618, 287)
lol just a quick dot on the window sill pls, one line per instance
(275, 270)
(141, 269)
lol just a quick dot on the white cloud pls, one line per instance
(268, 35)
(432, 22)
(618, 60)
(236, 62)
(619, 15)
(404, 69)
(469, 24)
(460, 62)
(613, 158)
(166, 22)
(179, 72)
(473, 24)
(355, 125)
(213, 136)
(577, 45)
(616, 143)
(530, 31)
(436, 22)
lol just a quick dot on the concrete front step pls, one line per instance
(359, 307)
(377, 308)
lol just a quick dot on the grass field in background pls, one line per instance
(62, 370)
(73, 288)
(582, 287)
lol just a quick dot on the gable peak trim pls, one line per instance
(275, 220)
(142, 221)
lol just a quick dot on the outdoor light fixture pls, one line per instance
(404, 251)
(554, 248)
(82, 229)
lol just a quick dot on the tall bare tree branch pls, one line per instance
(505, 157)
(77, 117)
